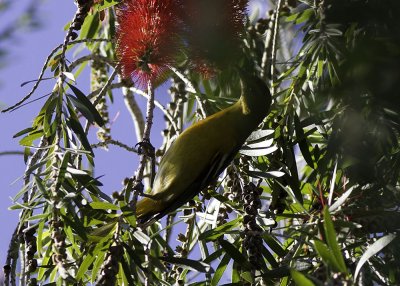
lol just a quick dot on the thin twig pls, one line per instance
(190, 88)
(36, 85)
(91, 57)
(5, 153)
(111, 86)
(274, 45)
(102, 92)
(135, 112)
(147, 130)
(106, 86)
(12, 257)
(157, 104)
(116, 143)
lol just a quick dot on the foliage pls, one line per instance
(311, 199)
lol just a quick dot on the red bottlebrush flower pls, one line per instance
(148, 38)
(214, 29)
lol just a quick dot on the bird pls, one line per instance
(201, 153)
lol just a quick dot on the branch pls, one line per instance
(135, 112)
(116, 143)
(158, 104)
(269, 54)
(5, 153)
(190, 88)
(145, 149)
(12, 256)
(40, 78)
(106, 86)
(91, 57)
(274, 46)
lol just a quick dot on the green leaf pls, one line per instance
(269, 257)
(375, 248)
(63, 168)
(260, 134)
(97, 264)
(215, 233)
(300, 279)
(266, 175)
(143, 238)
(235, 254)
(84, 266)
(90, 26)
(220, 270)
(127, 272)
(128, 213)
(104, 206)
(107, 4)
(255, 152)
(28, 140)
(326, 255)
(302, 141)
(77, 128)
(82, 108)
(188, 263)
(87, 103)
(300, 17)
(332, 240)
(340, 201)
(103, 232)
(76, 224)
(274, 245)
(22, 132)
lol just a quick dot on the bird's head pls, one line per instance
(255, 91)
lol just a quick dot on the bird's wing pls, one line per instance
(219, 162)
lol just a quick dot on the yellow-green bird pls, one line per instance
(200, 154)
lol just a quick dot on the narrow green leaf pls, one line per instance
(302, 141)
(220, 270)
(143, 238)
(340, 201)
(128, 213)
(107, 4)
(69, 75)
(332, 240)
(269, 257)
(326, 255)
(77, 128)
(266, 175)
(103, 232)
(188, 263)
(104, 206)
(97, 264)
(127, 273)
(88, 104)
(235, 254)
(248, 151)
(375, 248)
(76, 224)
(300, 279)
(63, 168)
(22, 132)
(90, 26)
(274, 245)
(28, 140)
(259, 134)
(84, 266)
(215, 233)
(82, 108)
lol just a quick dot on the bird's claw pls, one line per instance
(145, 148)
